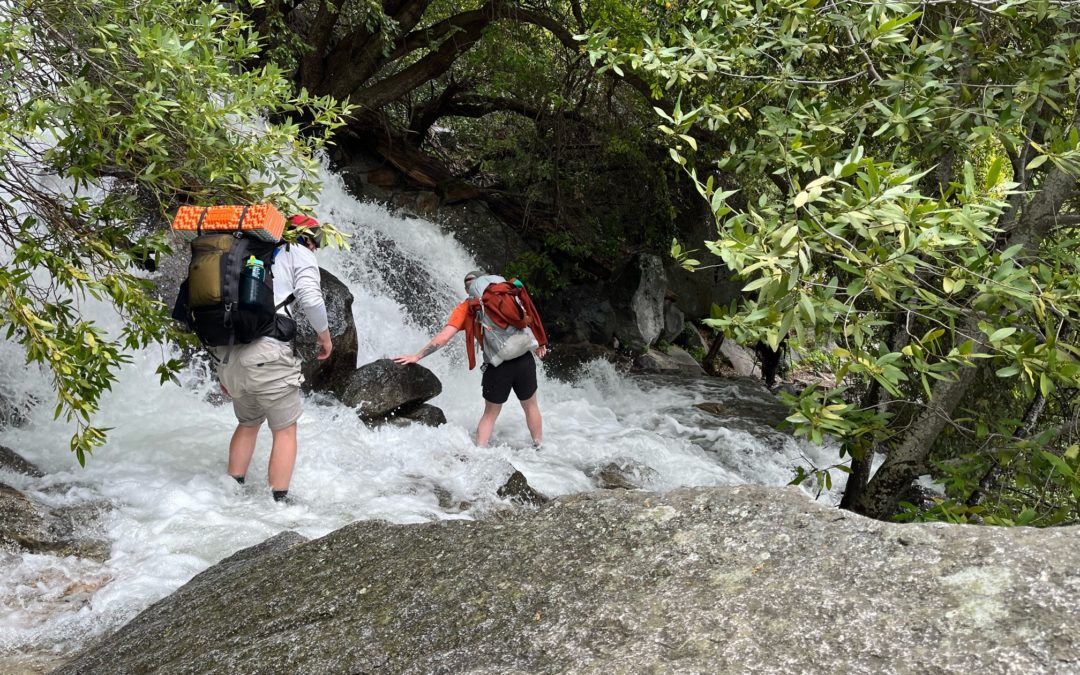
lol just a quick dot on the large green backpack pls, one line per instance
(210, 301)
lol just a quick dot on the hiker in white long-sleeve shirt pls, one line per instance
(263, 377)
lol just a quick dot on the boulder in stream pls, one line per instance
(675, 360)
(31, 527)
(15, 463)
(331, 374)
(382, 388)
(421, 414)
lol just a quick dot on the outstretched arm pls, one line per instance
(431, 347)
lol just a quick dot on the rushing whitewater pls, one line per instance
(172, 511)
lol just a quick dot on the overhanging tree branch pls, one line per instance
(436, 63)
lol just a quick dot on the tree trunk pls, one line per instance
(714, 351)
(860, 466)
(877, 397)
(1031, 418)
(909, 460)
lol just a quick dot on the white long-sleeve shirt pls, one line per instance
(297, 272)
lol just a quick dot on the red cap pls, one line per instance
(303, 221)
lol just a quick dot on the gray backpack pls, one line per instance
(500, 343)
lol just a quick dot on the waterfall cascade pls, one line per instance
(172, 512)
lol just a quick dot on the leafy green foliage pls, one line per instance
(114, 110)
(539, 274)
(920, 161)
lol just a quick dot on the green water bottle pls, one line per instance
(252, 282)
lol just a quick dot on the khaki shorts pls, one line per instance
(263, 379)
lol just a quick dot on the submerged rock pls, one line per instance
(424, 413)
(517, 489)
(28, 526)
(623, 474)
(427, 414)
(706, 580)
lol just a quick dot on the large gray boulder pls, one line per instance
(717, 580)
(674, 322)
(743, 361)
(382, 388)
(329, 374)
(638, 296)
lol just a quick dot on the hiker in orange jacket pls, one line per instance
(517, 373)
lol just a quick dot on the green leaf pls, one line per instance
(808, 308)
(1058, 463)
(1037, 162)
(993, 173)
(896, 23)
(1046, 385)
(760, 282)
(1027, 516)
(1011, 251)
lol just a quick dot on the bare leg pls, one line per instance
(487, 423)
(282, 458)
(532, 418)
(241, 448)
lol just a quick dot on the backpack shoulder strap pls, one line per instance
(473, 333)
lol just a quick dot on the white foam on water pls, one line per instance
(172, 512)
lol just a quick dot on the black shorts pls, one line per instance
(518, 374)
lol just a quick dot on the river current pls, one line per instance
(168, 511)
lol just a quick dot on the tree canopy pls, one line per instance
(907, 174)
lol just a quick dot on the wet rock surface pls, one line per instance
(382, 387)
(717, 580)
(675, 360)
(565, 361)
(329, 374)
(579, 313)
(28, 526)
(424, 413)
(623, 474)
(517, 489)
(15, 463)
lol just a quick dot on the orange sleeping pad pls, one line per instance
(259, 220)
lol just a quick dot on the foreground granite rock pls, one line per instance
(720, 580)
